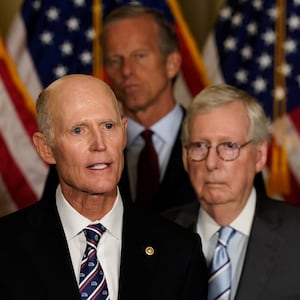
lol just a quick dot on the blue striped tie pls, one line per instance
(219, 283)
(92, 282)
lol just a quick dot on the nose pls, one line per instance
(127, 67)
(97, 142)
(212, 160)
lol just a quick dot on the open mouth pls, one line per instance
(98, 166)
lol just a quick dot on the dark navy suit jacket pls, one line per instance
(272, 262)
(36, 264)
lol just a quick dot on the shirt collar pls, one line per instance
(73, 222)
(207, 226)
(165, 128)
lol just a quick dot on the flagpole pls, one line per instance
(278, 182)
(97, 51)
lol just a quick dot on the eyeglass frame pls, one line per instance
(208, 146)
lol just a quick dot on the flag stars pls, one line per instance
(52, 14)
(79, 3)
(241, 76)
(86, 57)
(252, 28)
(237, 20)
(259, 85)
(269, 37)
(272, 13)
(230, 44)
(225, 13)
(60, 71)
(90, 34)
(36, 4)
(73, 24)
(246, 52)
(66, 48)
(46, 38)
(294, 22)
(285, 69)
(258, 4)
(290, 46)
(264, 61)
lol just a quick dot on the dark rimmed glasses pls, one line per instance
(227, 151)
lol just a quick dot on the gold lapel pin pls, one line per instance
(149, 250)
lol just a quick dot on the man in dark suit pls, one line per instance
(225, 138)
(139, 255)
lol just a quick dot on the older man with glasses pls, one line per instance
(251, 242)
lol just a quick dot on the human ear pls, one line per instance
(262, 154)
(43, 148)
(173, 64)
(185, 158)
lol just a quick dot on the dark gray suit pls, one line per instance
(272, 264)
(36, 264)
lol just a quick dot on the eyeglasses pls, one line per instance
(227, 151)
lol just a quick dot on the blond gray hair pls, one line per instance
(218, 95)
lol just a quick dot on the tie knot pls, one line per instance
(146, 135)
(225, 233)
(93, 233)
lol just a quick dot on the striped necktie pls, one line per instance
(219, 283)
(92, 282)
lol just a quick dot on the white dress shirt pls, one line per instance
(109, 247)
(164, 136)
(207, 228)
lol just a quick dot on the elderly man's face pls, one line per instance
(88, 137)
(219, 182)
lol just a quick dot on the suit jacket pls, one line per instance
(36, 263)
(272, 262)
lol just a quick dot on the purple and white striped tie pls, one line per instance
(92, 282)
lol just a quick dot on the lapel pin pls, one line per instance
(149, 251)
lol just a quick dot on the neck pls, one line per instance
(224, 214)
(93, 207)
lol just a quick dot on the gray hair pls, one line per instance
(168, 39)
(44, 119)
(218, 95)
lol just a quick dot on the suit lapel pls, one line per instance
(264, 246)
(47, 248)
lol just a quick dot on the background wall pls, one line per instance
(199, 14)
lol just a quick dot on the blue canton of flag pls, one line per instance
(59, 37)
(245, 36)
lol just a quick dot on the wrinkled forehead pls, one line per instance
(75, 96)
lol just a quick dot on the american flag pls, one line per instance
(242, 52)
(52, 38)
(18, 155)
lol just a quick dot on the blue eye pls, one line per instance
(77, 130)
